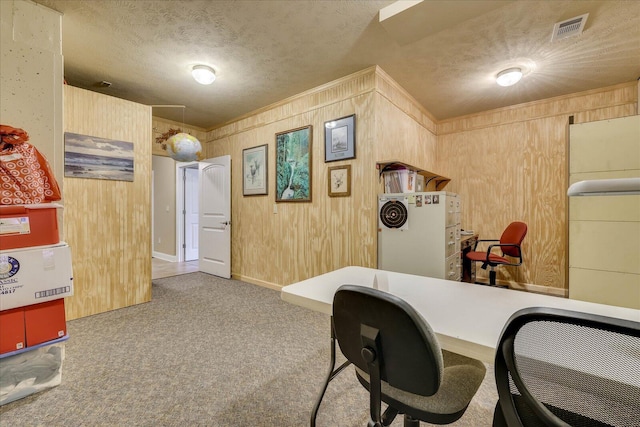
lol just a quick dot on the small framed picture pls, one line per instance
(254, 171)
(340, 139)
(340, 181)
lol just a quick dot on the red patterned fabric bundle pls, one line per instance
(25, 174)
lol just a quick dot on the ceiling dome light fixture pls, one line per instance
(203, 74)
(509, 77)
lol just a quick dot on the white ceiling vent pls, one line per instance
(569, 28)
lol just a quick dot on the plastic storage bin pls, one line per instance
(31, 370)
(23, 226)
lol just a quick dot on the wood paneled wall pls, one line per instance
(511, 164)
(107, 223)
(507, 164)
(302, 240)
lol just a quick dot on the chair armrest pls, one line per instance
(511, 245)
(484, 240)
(500, 245)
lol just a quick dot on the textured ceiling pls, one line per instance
(265, 51)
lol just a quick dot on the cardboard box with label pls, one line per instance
(35, 275)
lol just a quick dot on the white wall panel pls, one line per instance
(604, 231)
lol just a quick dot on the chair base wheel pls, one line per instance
(410, 421)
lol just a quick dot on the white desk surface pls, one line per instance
(467, 318)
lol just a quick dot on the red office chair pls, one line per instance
(509, 244)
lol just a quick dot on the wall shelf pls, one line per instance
(433, 181)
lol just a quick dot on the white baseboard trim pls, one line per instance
(165, 257)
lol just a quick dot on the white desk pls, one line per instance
(468, 319)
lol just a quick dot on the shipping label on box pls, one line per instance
(31, 276)
(18, 225)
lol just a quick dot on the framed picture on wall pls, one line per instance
(340, 139)
(293, 165)
(340, 181)
(97, 158)
(254, 171)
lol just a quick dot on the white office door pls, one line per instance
(191, 216)
(215, 216)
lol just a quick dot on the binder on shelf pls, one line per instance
(400, 181)
(397, 181)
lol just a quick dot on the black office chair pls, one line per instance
(398, 359)
(557, 367)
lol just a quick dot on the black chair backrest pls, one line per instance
(411, 355)
(557, 367)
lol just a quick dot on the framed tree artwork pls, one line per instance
(293, 165)
(340, 181)
(254, 171)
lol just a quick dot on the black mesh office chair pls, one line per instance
(398, 359)
(557, 368)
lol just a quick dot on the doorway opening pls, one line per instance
(187, 211)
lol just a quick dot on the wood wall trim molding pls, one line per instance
(398, 96)
(596, 99)
(362, 82)
(258, 282)
(173, 123)
(358, 83)
(273, 117)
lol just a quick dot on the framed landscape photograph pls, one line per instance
(97, 158)
(340, 139)
(293, 165)
(254, 171)
(340, 181)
